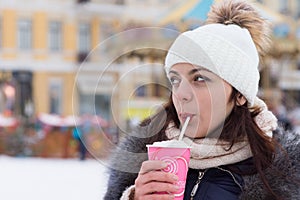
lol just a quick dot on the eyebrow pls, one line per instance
(193, 71)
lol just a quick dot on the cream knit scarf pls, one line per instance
(211, 152)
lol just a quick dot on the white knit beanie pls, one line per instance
(226, 50)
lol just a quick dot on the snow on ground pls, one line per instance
(49, 179)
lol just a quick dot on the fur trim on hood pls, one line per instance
(283, 176)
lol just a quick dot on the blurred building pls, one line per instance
(281, 73)
(39, 49)
(97, 56)
(57, 57)
(123, 76)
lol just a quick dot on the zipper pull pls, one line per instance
(195, 188)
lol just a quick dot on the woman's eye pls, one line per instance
(174, 80)
(200, 78)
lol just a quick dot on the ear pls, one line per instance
(241, 100)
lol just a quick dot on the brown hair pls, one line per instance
(239, 124)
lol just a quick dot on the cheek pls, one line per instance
(204, 103)
(221, 106)
(220, 94)
(213, 103)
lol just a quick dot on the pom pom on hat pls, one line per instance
(226, 50)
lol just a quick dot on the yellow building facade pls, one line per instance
(48, 41)
(52, 68)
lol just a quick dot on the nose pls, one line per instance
(184, 91)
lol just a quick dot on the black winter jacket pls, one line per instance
(217, 183)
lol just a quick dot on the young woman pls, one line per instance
(214, 75)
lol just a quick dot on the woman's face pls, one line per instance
(201, 95)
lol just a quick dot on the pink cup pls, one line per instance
(178, 159)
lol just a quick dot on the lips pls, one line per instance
(183, 116)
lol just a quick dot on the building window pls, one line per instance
(141, 91)
(120, 2)
(55, 96)
(24, 34)
(84, 38)
(23, 82)
(55, 35)
(283, 6)
(83, 1)
(159, 90)
(298, 64)
(298, 9)
(1, 30)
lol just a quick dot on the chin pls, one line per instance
(190, 132)
(195, 136)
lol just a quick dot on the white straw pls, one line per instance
(184, 128)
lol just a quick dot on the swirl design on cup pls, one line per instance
(172, 164)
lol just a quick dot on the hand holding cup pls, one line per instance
(154, 183)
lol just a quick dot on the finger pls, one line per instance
(158, 196)
(152, 165)
(153, 187)
(158, 176)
